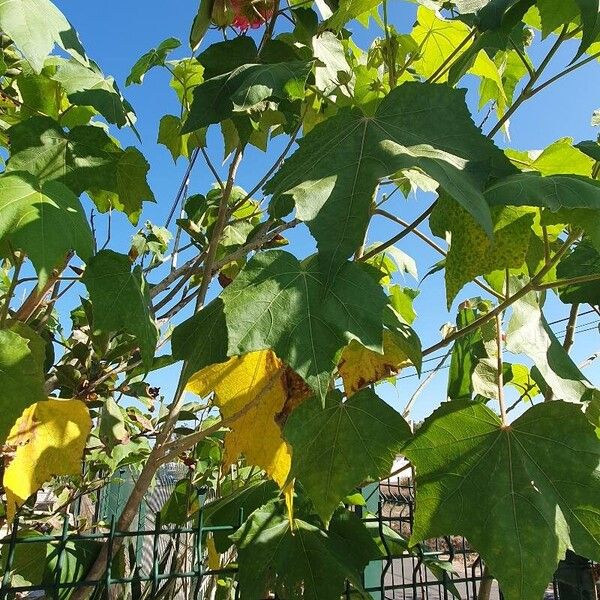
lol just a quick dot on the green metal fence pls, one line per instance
(164, 561)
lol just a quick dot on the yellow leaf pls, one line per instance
(49, 439)
(214, 560)
(255, 392)
(360, 366)
(288, 494)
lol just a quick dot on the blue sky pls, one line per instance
(115, 33)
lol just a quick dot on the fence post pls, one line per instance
(373, 571)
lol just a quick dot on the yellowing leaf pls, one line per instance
(256, 391)
(472, 252)
(49, 439)
(360, 366)
(214, 560)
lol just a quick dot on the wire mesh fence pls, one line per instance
(161, 561)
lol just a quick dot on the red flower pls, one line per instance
(251, 14)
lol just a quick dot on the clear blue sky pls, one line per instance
(115, 33)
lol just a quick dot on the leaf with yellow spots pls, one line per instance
(48, 439)
(254, 392)
(360, 366)
(472, 252)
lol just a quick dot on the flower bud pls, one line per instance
(222, 13)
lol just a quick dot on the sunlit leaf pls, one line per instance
(333, 175)
(48, 440)
(46, 222)
(36, 26)
(252, 391)
(337, 448)
(541, 482)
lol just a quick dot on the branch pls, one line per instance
(571, 325)
(528, 91)
(411, 227)
(190, 265)
(500, 370)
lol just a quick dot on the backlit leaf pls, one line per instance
(49, 439)
(360, 366)
(472, 252)
(21, 377)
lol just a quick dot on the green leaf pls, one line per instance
(541, 482)
(200, 23)
(187, 74)
(553, 191)
(273, 557)
(153, 58)
(337, 448)
(45, 222)
(112, 429)
(590, 21)
(472, 252)
(502, 13)
(467, 351)
(244, 88)
(349, 10)
(35, 562)
(279, 303)
(583, 261)
(402, 298)
(528, 333)
(129, 187)
(84, 159)
(120, 300)
(90, 87)
(36, 26)
(224, 57)
(201, 340)
(242, 502)
(169, 134)
(332, 69)
(21, 377)
(437, 38)
(333, 175)
(181, 505)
